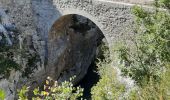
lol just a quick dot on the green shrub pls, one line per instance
(108, 87)
(2, 95)
(152, 43)
(152, 90)
(53, 91)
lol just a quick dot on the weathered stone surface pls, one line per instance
(15, 15)
(74, 40)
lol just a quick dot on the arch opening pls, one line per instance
(73, 46)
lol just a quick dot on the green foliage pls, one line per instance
(108, 87)
(54, 91)
(31, 65)
(2, 95)
(152, 90)
(22, 93)
(7, 63)
(152, 43)
(165, 3)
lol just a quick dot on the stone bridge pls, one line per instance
(113, 19)
(46, 21)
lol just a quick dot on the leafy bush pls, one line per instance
(152, 90)
(53, 91)
(152, 43)
(2, 95)
(108, 87)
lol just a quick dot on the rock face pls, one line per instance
(16, 22)
(73, 41)
(9, 38)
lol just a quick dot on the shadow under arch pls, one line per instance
(72, 47)
(94, 19)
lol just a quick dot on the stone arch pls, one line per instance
(86, 15)
(113, 18)
(64, 44)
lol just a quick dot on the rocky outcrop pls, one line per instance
(9, 39)
(73, 41)
(16, 51)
